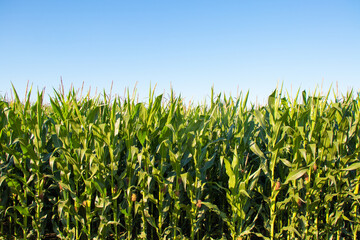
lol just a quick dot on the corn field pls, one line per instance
(101, 168)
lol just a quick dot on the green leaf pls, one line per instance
(235, 161)
(230, 173)
(56, 109)
(295, 174)
(313, 149)
(304, 96)
(215, 208)
(255, 149)
(260, 118)
(23, 210)
(352, 167)
(2, 178)
(271, 100)
(141, 136)
(286, 162)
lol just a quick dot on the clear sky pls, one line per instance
(192, 45)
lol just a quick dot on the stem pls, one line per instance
(88, 218)
(115, 209)
(327, 221)
(356, 210)
(307, 215)
(317, 222)
(272, 218)
(274, 193)
(194, 216)
(67, 197)
(38, 207)
(10, 225)
(129, 219)
(77, 205)
(25, 220)
(192, 213)
(161, 199)
(292, 235)
(38, 220)
(338, 234)
(143, 219)
(355, 232)
(76, 224)
(176, 206)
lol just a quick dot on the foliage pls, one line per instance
(91, 168)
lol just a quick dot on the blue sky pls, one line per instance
(192, 45)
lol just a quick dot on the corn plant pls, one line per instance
(115, 168)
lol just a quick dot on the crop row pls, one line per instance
(91, 168)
